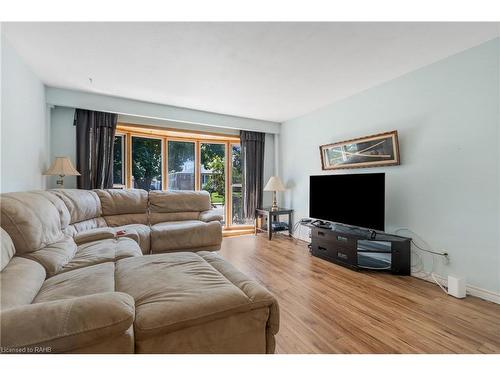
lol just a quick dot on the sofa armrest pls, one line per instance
(64, 325)
(210, 215)
(129, 233)
(96, 234)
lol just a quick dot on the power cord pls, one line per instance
(298, 227)
(431, 273)
(438, 283)
(443, 254)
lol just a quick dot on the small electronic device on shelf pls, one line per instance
(271, 217)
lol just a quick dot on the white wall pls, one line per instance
(63, 141)
(24, 128)
(447, 187)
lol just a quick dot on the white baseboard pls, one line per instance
(471, 290)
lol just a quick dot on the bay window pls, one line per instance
(165, 159)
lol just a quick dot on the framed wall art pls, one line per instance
(372, 151)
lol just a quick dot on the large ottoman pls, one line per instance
(196, 303)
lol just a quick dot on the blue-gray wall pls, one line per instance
(24, 130)
(447, 187)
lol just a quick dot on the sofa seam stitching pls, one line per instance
(63, 327)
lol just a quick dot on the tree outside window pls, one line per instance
(146, 163)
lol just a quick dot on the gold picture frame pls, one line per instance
(379, 150)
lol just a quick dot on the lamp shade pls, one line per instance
(61, 166)
(274, 184)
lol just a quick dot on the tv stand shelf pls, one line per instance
(359, 248)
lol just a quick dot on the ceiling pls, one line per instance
(267, 71)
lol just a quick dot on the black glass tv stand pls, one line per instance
(359, 248)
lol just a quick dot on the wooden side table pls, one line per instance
(272, 216)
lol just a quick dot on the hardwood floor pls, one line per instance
(325, 308)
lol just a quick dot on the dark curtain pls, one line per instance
(95, 135)
(252, 162)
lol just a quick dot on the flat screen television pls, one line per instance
(352, 199)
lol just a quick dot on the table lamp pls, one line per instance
(274, 184)
(61, 166)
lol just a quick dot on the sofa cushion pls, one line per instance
(20, 281)
(123, 201)
(177, 205)
(31, 219)
(179, 201)
(7, 250)
(55, 256)
(174, 291)
(102, 251)
(99, 278)
(124, 206)
(188, 234)
(82, 204)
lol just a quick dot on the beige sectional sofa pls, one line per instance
(158, 221)
(124, 271)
